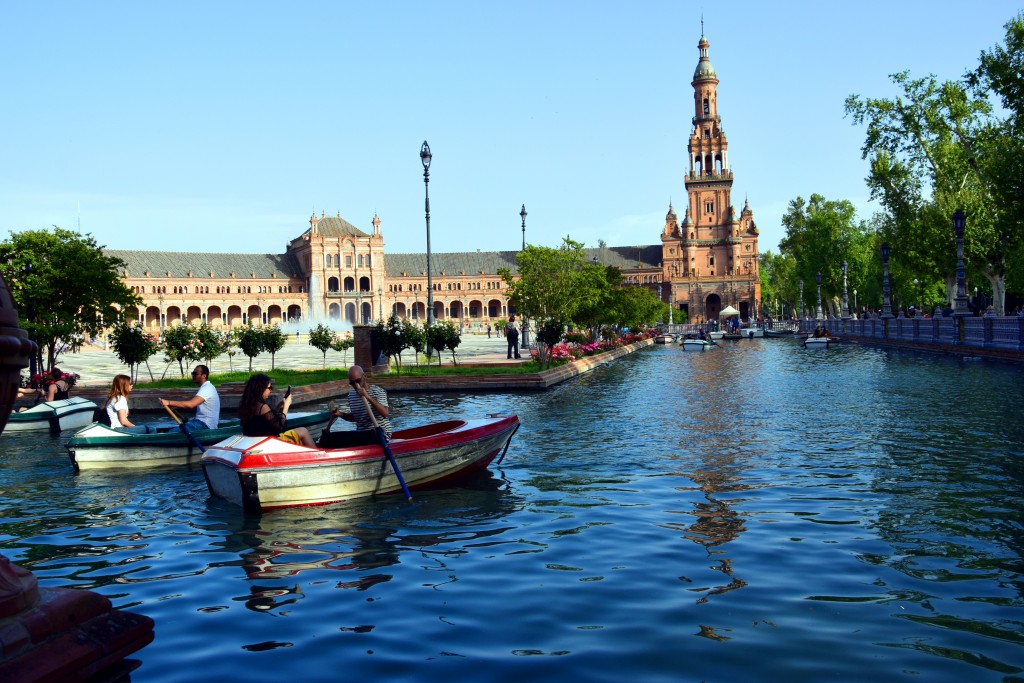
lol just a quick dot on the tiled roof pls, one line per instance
(336, 226)
(179, 263)
(453, 263)
(626, 258)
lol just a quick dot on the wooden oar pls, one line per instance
(184, 429)
(387, 449)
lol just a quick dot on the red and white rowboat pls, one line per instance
(264, 473)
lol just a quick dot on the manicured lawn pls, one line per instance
(282, 378)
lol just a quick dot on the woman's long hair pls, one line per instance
(121, 386)
(252, 396)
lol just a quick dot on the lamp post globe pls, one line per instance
(425, 157)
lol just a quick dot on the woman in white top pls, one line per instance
(117, 407)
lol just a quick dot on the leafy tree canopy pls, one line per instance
(64, 286)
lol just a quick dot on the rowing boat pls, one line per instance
(99, 446)
(56, 416)
(698, 344)
(264, 473)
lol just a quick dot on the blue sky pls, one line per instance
(222, 126)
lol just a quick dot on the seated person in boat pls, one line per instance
(374, 395)
(117, 407)
(260, 419)
(57, 388)
(206, 402)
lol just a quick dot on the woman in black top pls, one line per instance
(259, 419)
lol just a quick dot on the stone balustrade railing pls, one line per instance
(991, 332)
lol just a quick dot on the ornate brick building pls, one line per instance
(710, 259)
(335, 271)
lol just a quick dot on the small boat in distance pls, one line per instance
(262, 473)
(818, 342)
(785, 333)
(56, 416)
(698, 344)
(665, 338)
(99, 446)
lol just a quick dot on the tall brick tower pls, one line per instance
(710, 259)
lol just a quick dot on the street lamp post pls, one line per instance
(960, 308)
(425, 157)
(30, 316)
(855, 299)
(526, 323)
(886, 301)
(817, 278)
(845, 314)
(380, 303)
(917, 300)
(801, 284)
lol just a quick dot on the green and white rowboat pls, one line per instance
(99, 446)
(55, 416)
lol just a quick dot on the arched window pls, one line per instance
(360, 260)
(327, 260)
(707, 107)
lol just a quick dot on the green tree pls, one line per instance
(551, 283)
(549, 334)
(441, 335)
(250, 341)
(414, 337)
(940, 146)
(322, 338)
(389, 338)
(342, 343)
(178, 345)
(435, 340)
(211, 343)
(274, 340)
(820, 235)
(132, 345)
(72, 289)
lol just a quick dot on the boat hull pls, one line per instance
(260, 473)
(664, 339)
(99, 446)
(818, 342)
(696, 345)
(55, 416)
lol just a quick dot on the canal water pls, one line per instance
(753, 513)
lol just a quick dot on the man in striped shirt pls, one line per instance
(375, 396)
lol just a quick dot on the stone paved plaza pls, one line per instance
(98, 366)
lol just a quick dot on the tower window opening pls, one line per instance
(707, 107)
(709, 207)
(707, 134)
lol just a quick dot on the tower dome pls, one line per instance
(704, 70)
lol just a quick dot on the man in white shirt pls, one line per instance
(206, 402)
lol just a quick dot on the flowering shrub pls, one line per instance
(576, 337)
(564, 353)
(44, 380)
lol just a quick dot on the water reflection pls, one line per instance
(361, 539)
